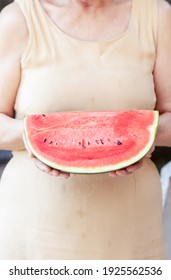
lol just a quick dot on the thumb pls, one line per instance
(149, 154)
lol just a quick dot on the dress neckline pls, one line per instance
(63, 33)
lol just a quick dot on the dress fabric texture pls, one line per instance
(85, 216)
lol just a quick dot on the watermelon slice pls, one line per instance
(91, 142)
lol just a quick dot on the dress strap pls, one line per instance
(144, 22)
(41, 40)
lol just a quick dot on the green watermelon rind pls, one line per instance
(99, 169)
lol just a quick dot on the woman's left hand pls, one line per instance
(44, 167)
(133, 167)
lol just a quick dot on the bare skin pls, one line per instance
(100, 20)
(90, 20)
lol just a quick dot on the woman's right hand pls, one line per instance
(49, 170)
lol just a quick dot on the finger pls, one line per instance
(65, 174)
(112, 174)
(135, 166)
(31, 154)
(149, 154)
(55, 172)
(123, 172)
(43, 166)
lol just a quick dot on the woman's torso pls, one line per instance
(61, 73)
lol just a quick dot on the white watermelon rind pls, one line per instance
(99, 169)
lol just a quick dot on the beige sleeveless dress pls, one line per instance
(85, 216)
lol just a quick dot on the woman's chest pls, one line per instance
(95, 84)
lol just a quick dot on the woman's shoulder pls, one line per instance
(13, 27)
(12, 20)
(164, 11)
(12, 14)
(164, 25)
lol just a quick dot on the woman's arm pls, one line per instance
(13, 38)
(162, 75)
(162, 80)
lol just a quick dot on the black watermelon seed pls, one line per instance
(119, 143)
(44, 140)
(101, 140)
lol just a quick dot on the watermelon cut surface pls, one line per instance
(91, 142)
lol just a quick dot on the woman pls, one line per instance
(64, 55)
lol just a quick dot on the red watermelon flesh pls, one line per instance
(91, 142)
